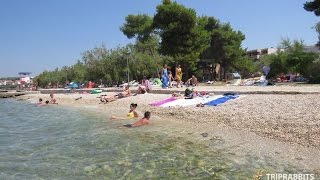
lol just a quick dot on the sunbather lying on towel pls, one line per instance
(125, 93)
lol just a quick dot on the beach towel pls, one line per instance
(159, 103)
(190, 102)
(220, 100)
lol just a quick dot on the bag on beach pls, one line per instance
(188, 92)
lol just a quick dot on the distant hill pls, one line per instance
(9, 78)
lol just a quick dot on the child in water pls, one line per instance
(40, 101)
(144, 121)
(131, 114)
(47, 103)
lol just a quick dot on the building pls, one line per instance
(257, 53)
(25, 77)
(314, 49)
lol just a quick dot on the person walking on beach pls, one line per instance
(165, 77)
(178, 75)
(144, 121)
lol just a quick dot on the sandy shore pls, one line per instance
(281, 127)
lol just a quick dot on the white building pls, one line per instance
(257, 53)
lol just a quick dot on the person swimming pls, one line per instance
(131, 114)
(144, 121)
(40, 101)
(46, 103)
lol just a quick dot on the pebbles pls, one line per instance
(290, 118)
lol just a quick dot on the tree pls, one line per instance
(225, 46)
(293, 60)
(313, 6)
(297, 59)
(277, 64)
(79, 72)
(245, 66)
(183, 37)
(145, 59)
(317, 28)
(139, 26)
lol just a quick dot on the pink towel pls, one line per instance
(163, 101)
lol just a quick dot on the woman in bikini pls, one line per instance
(131, 114)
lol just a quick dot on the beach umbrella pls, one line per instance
(74, 85)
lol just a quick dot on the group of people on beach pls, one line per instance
(145, 87)
(167, 78)
(52, 100)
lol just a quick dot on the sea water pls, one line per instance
(55, 142)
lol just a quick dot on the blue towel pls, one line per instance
(220, 100)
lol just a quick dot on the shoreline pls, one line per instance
(254, 124)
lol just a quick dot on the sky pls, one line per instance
(38, 35)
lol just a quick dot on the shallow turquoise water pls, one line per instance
(54, 142)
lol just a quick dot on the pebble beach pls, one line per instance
(282, 126)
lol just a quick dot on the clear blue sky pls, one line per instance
(38, 35)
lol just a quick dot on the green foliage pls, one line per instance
(245, 66)
(317, 28)
(225, 46)
(139, 26)
(313, 6)
(313, 72)
(109, 65)
(294, 60)
(183, 36)
(277, 65)
(174, 35)
(297, 59)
